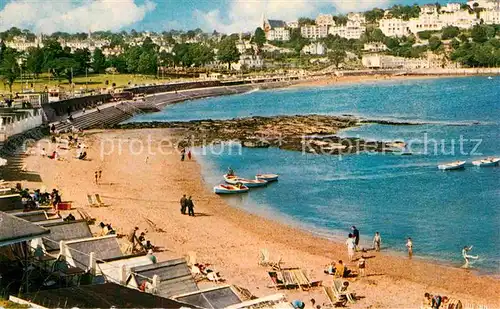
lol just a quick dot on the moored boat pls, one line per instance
(452, 166)
(267, 177)
(486, 162)
(251, 183)
(230, 189)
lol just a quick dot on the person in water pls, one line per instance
(466, 256)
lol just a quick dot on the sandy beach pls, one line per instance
(340, 80)
(148, 184)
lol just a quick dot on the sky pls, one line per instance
(228, 16)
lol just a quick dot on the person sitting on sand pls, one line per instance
(298, 304)
(361, 266)
(151, 256)
(330, 269)
(339, 269)
(104, 229)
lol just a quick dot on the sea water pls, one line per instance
(398, 196)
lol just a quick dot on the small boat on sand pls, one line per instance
(251, 183)
(267, 177)
(230, 189)
(486, 162)
(452, 166)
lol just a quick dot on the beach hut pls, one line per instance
(167, 278)
(213, 298)
(119, 269)
(37, 216)
(60, 230)
(84, 253)
(108, 295)
(14, 230)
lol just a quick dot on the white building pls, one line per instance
(325, 20)
(276, 30)
(293, 24)
(461, 19)
(392, 62)
(316, 48)
(23, 44)
(314, 32)
(394, 27)
(485, 4)
(428, 20)
(428, 9)
(250, 62)
(352, 30)
(374, 47)
(451, 7)
(490, 17)
(357, 17)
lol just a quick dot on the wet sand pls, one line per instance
(141, 185)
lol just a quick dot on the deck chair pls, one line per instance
(91, 201)
(340, 291)
(99, 201)
(335, 301)
(264, 260)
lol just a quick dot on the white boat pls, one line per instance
(267, 177)
(251, 183)
(452, 166)
(486, 162)
(230, 189)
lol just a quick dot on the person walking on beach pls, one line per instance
(351, 247)
(467, 257)
(100, 174)
(355, 234)
(183, 154)
(190, 206)
(377, 240)
(183, 204)
(96, 174)
(189, 155)
(409, 246)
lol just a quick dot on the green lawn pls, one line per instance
(93, 81)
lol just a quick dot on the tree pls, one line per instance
(34, 61)
(374, 15)
(340, 19)
(98, 61)
(82, 57)
(64, 67)
(434, 43)
(148, 63)
(450, 32)
(166, 59)
(425, 35)
(9, 67)
(118, 62)
(337, 55)
(481, 33)
(132, 56)
(303, 21)
(228, 52)
(259, 37)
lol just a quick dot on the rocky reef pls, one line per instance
(306, 133)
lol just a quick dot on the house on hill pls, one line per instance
(276, 30)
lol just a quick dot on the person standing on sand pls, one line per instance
(100, 174)
(190, 206)
(361, 266)
(183, 154)
(189, 155)
(409, 245)
(96, 174)
(183, 204)
(355, 234)
(351, 247)
(131, 240)
(377, 240)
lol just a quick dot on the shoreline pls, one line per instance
(229, 238)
